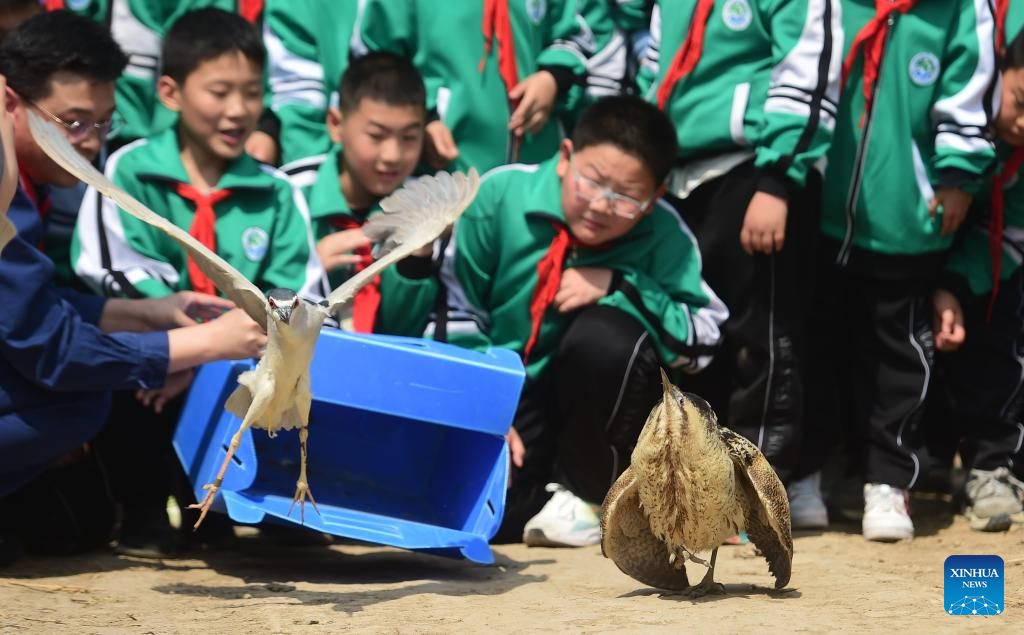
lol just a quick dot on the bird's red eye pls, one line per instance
(271, 302)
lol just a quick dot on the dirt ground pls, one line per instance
(840, 582)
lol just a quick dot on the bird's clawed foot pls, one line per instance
(302, 491)
(211, 493)
(678, 562)
(707, 586)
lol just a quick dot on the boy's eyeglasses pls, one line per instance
(79, 129)
(590, 190)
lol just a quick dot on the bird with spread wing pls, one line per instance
(276, 394)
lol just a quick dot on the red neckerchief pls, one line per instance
(995, 221)
(202, 229)
(498, 25)
(689, 53)
(250, 9)
(367, 300)
(1002, 6)
(872, 39)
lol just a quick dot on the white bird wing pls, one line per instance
(7, 230)
(233, 284)
(413, 216)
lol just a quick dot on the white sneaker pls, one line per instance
(806, 509)
(995, 499)
(565, 521)
(886, 513)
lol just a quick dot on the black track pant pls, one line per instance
(755, 383)
(980, 392)
(580, 420)
(870, 359)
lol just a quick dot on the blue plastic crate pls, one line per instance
(406, 443)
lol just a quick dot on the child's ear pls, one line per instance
(167, 90)
(335, 123)
(564, 154)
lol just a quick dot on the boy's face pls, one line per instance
(586, 173)
(1010, 121)
(219, 104)
(381, 146)
(72, 98)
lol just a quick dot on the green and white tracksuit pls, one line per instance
(445, 42)
(490, 271)
(307, 51)
(766, 85)
(933, 102)
(262, 227)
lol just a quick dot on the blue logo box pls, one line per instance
(974, 585)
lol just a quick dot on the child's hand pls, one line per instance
(336, 249)
(439, 145)
(536, 95)
(516, 449)
(235, 335)
(183, 309)
(955, 203)
(764, 226)
(582, 286)
(174, 385)
(262, 147)
(947, 321)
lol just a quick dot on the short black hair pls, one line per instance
(632, 125)
(1014, 55)
(59, 41)
(383, 77)
(17, 5)
(206, 34)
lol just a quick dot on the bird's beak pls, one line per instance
(284, 313)
(666, 385)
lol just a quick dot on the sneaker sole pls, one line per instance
(537, 538)
(886, 534)
(996, 523)
(810, 521)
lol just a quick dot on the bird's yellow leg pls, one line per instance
(708, 584)
(214, 487)
(302, 486)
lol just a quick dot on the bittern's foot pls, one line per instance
(211, 493)
(679, 562)
(707, 586)
(302, 491)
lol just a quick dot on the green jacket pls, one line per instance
(767, 80)
(490, 271)
(327, 203)
(969, 264)
(446, 43)
(307, 51)
(262, 228)
(139, 27)
(928, 127)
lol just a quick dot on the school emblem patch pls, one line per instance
(77, 5)
(736, 14)
(254, 243)
(535, 10)
(924, 68)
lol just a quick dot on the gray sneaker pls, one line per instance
(995, 499)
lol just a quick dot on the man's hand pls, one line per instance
(955, 203)
(764, 226)
(516, 449)
(947, 321)
(262, 147)
(183, 308)
(439, 145)
(175, 384)
(235, 335)
(581, 286)
(336, 249)
(536, 95)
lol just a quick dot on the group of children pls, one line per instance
(775, 216)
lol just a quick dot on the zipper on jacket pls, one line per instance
(843, 257)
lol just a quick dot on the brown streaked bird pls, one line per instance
(692, 484)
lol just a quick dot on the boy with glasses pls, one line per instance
(578, 266)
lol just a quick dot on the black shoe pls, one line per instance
(146, 532)
(11, 549)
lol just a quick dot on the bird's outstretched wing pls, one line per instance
(233, 284)
(765, 505)
(413, 216)
(7, 230)
(626, 539)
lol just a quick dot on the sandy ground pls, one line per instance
(840, 582)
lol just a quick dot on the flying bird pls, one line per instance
(691, 484)
(276, 394)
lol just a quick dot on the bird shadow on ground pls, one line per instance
(732, 592)
(276, 578)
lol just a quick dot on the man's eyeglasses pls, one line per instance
(590, 190)
(79, 129)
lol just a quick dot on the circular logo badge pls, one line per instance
(77, 5)
(924, 68)
(736, 14)
(535, 10)
(255, 242)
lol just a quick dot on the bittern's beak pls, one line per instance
(666, 385)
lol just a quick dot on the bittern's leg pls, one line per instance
(302, 486)
(214, 487)
(707, 585)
